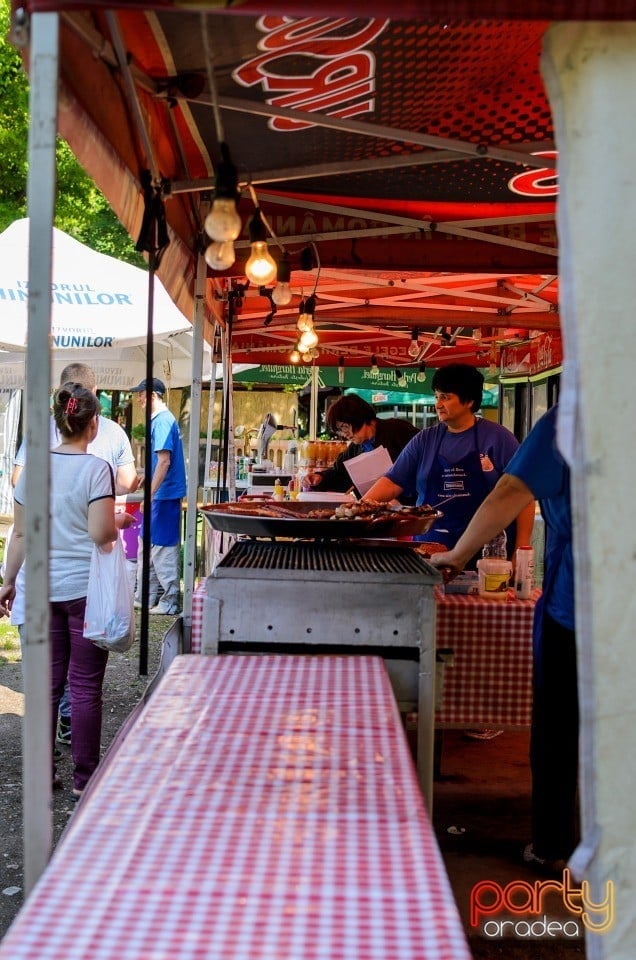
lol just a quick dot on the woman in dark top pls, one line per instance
(355, 420)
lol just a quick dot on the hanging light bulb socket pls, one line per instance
(223, 222)
(260, 268)
(307, 259)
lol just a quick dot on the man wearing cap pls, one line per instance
(167, 489)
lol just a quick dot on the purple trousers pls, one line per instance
(85, 664)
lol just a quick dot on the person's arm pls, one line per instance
(335, 478)
(160, 471)
(524, 525)
(102, 527)
(126, 479)
(509, 498)
(15, 476)
(14, 560)
(383, 490)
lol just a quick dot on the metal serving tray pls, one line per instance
(297, 523)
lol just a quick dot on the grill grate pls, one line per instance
(331, 560)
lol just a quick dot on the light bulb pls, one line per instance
(294, 356)
(261, 266)
(306, 357)
(305, 322)
(421, 374)
(314, 353)
(223, 222)
(308, 339)
(281, 294)
(414, 345)
(401, 380)
(374, 366)
(477, 334)
(220, 256)
(341, 371)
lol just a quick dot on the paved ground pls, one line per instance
(482, 820)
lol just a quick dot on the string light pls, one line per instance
(281, 294)
(421, 373)
(341, 370)
(261, 266)
(306, 314)
(308, 339)
(414, 346)
(223, 222)
(401, 379)
(220, 256)
(374, 366)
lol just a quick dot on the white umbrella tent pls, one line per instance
(98, 316)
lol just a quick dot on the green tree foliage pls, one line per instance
(81, 209)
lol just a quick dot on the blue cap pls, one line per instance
(158, 386)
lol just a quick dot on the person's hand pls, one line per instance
(313, 478)
(137, 483)
(7, 594)
(448, 564)
(124, 520)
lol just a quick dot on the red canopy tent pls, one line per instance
(414, 157)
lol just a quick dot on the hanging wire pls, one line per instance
(218, 123)
(266, 222)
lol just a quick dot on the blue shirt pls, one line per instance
(164, 435)
(541, 467)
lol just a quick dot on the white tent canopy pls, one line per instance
(99, 316)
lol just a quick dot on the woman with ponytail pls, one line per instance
(82, 510)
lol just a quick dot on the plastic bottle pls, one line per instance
(494, 569)
(279, 491)
(524, 573)
(496, 547)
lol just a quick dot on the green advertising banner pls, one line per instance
(377, 388)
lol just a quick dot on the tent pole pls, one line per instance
(190, 545)
(313, 403)
(41, 185)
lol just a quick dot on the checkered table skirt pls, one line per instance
(487, 679)
(487, 676)
(261, 807)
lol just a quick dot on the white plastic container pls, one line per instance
(524, 573)
(494, 578)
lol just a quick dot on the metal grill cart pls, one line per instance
(349, 597)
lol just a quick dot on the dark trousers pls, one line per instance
(85, 664)
(554, 743)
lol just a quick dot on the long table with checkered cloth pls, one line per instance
(261, 807)
(486, 658)
(485, 648)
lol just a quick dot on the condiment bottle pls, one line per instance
(524, 573)
(279, 491)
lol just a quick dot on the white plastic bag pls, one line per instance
(109, 620)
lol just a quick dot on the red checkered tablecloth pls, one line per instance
(261, 807)
(486, 681)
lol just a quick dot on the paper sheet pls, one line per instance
(366, 468)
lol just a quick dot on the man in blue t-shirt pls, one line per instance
(167, 489)
(538, 471)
